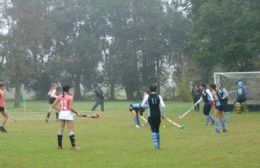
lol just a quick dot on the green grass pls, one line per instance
(113, 141)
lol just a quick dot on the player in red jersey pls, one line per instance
(2, 108)
(65, 116)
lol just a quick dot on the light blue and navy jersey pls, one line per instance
(155, 104)
(136, 105)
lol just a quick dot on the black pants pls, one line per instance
(206, 109)
(99, 102)
(154, 122)
(197, 107)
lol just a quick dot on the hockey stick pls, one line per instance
(96, 116)
(85, 115)
(142, 117)
(173, 123)
(190, 109)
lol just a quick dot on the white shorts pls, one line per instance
(65, 115)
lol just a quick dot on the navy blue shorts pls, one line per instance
(206, 109)
(2, 109)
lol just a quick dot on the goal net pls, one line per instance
(251, 80)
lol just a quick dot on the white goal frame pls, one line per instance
(244, 76)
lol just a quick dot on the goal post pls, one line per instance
(251, 80)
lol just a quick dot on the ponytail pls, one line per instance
(65, 89)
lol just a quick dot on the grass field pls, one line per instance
(113, 141)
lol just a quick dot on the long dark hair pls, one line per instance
(65, 89)
(153, 88)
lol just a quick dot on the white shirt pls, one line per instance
(52, 94)
(209, 95)
(225, 93)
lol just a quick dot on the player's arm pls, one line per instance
(210, 97)
(74, 111)
(54, 105)
(162, 107)
(144, 102)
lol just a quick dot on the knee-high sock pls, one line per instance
(223, 124)
(209, 118)
(216, 124)
(136, 121)
(155, 140)
(227, 116)
(158, 139)
(60, 140)
(72, 138)
(48, 115)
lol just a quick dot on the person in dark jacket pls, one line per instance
(196, 95)
(99, 94)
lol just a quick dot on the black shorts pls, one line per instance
(2, 109)
(206, 109)
(52, 100)
(155, 122)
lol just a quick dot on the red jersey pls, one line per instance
(2, 101)
(65, 103)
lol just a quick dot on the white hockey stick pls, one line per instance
(142, 117)
(173, 123)
(189, 110)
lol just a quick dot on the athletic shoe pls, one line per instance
(75, 148)
(217, 131)
(137, 126)
(181, 127)
(2, 129)
(59, 147)
(224, 130)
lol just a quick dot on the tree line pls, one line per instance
(124, 43)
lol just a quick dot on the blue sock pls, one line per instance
(155, 140)
(227, 116)
(211, 118)
(207, 118)
(223, 124)
(136, 120)
(158, 139)
(217, 125)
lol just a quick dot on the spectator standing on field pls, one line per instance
(99, 94)
(196, 95)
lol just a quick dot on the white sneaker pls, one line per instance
(137, 126)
